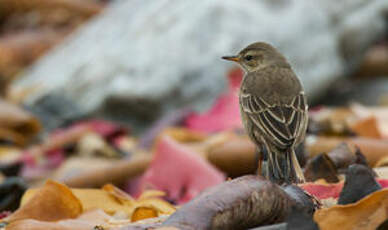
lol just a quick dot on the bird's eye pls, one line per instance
(248, 57)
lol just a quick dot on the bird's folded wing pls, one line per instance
(279, 123)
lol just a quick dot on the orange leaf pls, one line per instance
(366, 214)
(51, 203)
(112, 200)
(367, 127)
(141, 213)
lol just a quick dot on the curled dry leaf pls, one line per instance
(331, 121)
(112, 200)
(179, 171)
(86, 8)
(383, 162)
(373, 149)
(321, 166)
(117, 173)
(224, 114)
(360, 181)
(235, 155)
(184, 135)
(381, 172)
(54, 201)
(342, 156)
(16, 125)
(367, 127)
(323, 191)
(332, 191)
(245, 202)
(373, 120)
(85, 221)
(374, 62)
(172, 119)
(366, 214)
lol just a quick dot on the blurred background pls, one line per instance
(92, 79)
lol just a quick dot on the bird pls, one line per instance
(274, 111)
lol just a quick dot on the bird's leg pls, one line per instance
(259, 155)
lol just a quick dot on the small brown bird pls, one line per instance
(273, 110)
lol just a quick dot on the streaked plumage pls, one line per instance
(273, 109)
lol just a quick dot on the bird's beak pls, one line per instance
(231, 58)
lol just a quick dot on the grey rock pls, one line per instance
(142, 58)
(370, 91)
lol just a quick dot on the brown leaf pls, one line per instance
(342, 155)
(235, 155)
(366, 214)
(373, 149)
(240, 203)
(321, 166)
(331, 121)
(360, 181)
(17, 125)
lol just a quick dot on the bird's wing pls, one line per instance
(280, 123)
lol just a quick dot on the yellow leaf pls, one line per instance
(141, 213)
(151, 194)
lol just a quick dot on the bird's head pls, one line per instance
(257, 56)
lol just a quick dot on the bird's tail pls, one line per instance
(282, 166)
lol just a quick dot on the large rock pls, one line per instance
(142, 58)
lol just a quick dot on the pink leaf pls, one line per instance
(224, 114)
(179, 171)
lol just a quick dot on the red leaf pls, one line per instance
(179, 171)
(324, 191)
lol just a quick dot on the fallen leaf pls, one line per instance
(54, 201)
(373, 149)
(185, 135)
(382, 172)
(121, 196)
(141, 213)
(89, 199)
(375, 119)
(16, 125)
(366, 214)
(321, 166)
(112, 200)
(367, 127)
(86, 221)
(323, 191)
(331, 121)
(224, 114)
(382, 162)
(179, 171)
(360, 181)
